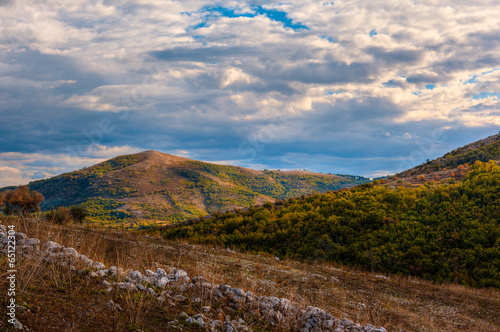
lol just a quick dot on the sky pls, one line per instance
(353, 87)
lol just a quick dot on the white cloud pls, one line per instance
(432, 61)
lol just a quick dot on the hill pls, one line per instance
(442, 226)
(483, 150)
(152, 186)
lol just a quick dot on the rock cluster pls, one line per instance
(174, 284)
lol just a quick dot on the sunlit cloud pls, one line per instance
(361, 83)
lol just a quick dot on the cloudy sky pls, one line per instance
(356, 87)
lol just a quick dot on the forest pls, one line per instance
(446, 232)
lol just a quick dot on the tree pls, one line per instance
(78, 213)
(22, 201)
(60, 216)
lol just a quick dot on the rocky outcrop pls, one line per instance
(174, 286)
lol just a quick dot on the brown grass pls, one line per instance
(396, 302)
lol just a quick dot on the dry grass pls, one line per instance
(396, 302)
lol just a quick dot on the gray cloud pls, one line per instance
(4, 3)
(294, 98)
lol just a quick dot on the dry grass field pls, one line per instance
(54, 298)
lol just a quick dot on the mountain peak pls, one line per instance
(153, 157)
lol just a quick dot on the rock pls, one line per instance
(20, 236)
(206, 309)
(162, 282)
(98, 266)
(114, 271)
(179, 274)
(51, 246)
(184, 315)
(277, 258)
(113, 306)
(102, 273)
(346, 322)
(17, 325)
(136, 276)
(190, 320)
(180, 298)
(29, 242)
(160, 273)
(200, 322)
(126, 286)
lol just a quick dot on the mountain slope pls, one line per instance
(153, 186)
(483, 150)
(446, 230)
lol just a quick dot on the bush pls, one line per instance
(60, 216)
(78, 214)
(21, 201)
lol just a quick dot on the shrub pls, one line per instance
(78, 214)
(21, 201)
(60, 216)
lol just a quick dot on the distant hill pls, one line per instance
(483, 150)
(152, 186)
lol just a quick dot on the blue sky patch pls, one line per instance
(272, 14)
(484, 95)
(328, 38)
(474, 77)
(373, 33)
(430, 86)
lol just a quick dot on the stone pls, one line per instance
(113, 306)
(126, 286)
(162, 282)
(29, 242)
(17, 325)
(346, 322)
(184, 315)
(180, 298)
(20, 236)
(51, 246)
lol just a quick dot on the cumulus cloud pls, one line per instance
(325, 83)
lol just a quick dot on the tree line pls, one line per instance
(447, 232)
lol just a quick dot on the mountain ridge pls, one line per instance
(152, 186)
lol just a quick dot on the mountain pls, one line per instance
(443, 226)
(152, 186)
(483, 150)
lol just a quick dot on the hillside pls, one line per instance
(443, 226)
(55, 297)
(151, 187)
(483, 150)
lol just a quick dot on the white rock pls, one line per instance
(51, 246)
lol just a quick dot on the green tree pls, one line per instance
(78, 214)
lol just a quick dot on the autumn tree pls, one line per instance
(22, 201)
